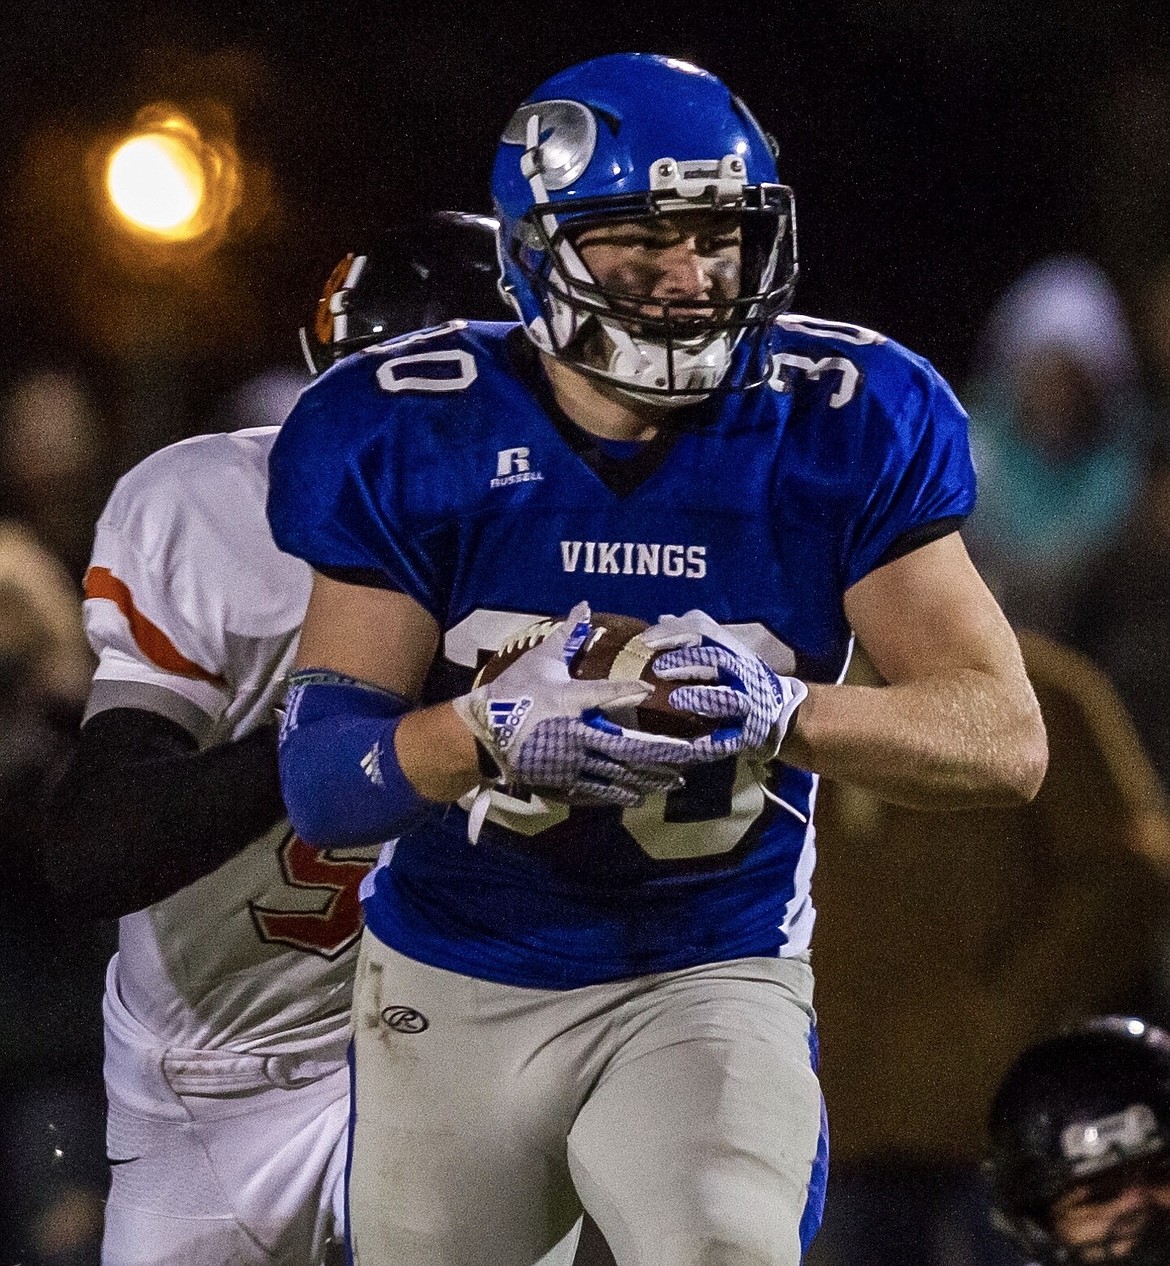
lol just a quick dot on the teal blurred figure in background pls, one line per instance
(1060, 434)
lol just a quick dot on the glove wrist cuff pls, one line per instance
(489, 767)
(494, 726)
(776, 736)
(466, 710)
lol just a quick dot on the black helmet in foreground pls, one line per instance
(415, 276)
(1091, 1106)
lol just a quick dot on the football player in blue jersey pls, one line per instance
(606, 1000)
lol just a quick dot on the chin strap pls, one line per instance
(639, 366)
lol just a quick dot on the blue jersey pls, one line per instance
(438, 465)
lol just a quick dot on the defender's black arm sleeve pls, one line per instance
(140, 812)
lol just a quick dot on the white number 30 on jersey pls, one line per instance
(450, 369)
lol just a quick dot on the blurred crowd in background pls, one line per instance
(945, 944)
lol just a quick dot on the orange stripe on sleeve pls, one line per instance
(100, 582)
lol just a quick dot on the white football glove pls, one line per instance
(544, 729)
(757, 703)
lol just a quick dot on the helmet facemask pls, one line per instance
(1032, 1233)
(1097, 1159)
(1150, 1246)
(1128, 1234)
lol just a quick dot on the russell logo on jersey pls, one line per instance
(606, 558)
(514, 467)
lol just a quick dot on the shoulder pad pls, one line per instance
(213, 465)
(878, 365)
(432, 374)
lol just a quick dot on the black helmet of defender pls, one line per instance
(1078, 1108)
(415, 276)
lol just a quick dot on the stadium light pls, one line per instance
(165, 182)
(156, 183)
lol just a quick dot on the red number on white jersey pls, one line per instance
(331, 929)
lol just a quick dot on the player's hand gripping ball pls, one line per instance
(710, 673)
(560, 731)
(614, 650)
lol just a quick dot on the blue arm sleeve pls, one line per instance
(339, 774)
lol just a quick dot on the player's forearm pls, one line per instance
(358, 765)
(955, 742)
(140, 812)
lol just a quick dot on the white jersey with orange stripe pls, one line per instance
(194, 614)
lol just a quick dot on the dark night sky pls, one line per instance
(933, 153)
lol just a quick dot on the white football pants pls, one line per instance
(680, 1109)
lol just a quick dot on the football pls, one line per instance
(613, 649)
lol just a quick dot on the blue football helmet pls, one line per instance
(622, 138)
